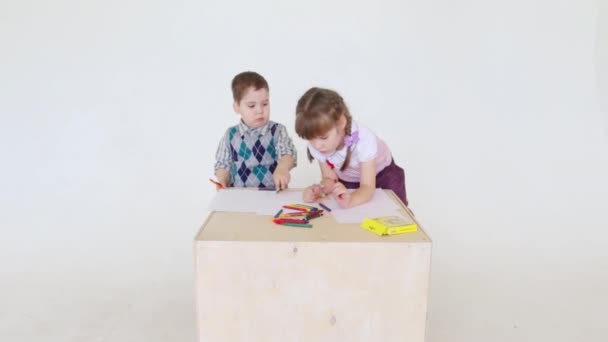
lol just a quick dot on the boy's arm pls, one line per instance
(286, 163)
(285, 148)
(287, 158)
(223, 162)
(281, 174)
(223, 176)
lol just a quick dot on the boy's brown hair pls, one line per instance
(245, 80)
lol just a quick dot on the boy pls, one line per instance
(257, 152)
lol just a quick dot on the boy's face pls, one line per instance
(254, 107)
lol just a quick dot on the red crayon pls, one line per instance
(295, 208)
(285, 220)
(314, 214)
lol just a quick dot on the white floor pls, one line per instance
(141, 288)
(106, 282)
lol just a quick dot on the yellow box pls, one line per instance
(389, 225)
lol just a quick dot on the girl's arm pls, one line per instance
(329, 178)
(328, 183)
(366, 190)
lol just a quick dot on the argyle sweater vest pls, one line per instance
(255, 158)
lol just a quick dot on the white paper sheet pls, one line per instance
(380, 205)
(269, 203)
(254, 201)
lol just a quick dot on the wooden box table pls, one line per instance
(259, 281)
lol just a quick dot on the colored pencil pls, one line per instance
(297, 225)
(286, 220)
(218, 184)
(293, 214)
(314, 214)
(294, 208)
(279, 213)
(307, 207)
(324, 207)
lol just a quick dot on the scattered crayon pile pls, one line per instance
(298, 218)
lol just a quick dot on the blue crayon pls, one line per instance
(324, 206)
(279, 213)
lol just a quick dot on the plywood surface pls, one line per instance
(312, 291)
(225, 226)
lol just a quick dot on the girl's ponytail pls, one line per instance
(348, 148)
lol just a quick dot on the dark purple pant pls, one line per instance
(391, 177)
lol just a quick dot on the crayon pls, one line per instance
(218, 184)
(293, 214)
(294, 207)
(297, 225)
(279, 213)
(324, 207)
(307, 207)
(286, 220)
(314, 214)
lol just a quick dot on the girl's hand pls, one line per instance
(312, 193)
(342, 195)
(328, 185)
(281, 178)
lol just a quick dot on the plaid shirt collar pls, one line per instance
(243, 129)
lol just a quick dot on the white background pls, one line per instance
(111, 111)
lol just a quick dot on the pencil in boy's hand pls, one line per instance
(217, 184)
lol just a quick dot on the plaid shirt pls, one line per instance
(253, 160)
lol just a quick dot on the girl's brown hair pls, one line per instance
(318, 111)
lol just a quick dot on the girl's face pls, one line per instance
(330, 141)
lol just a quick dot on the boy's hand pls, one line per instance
(223, 179)
(312, 193)
(219, 185)
(342, 195)
(281, 178)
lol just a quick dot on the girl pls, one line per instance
(350, 155)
